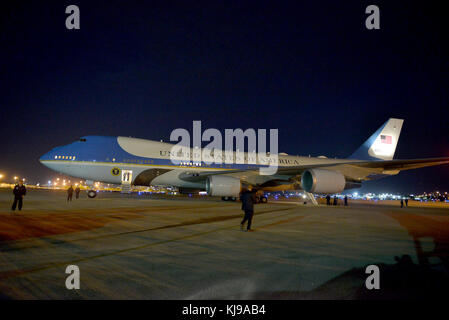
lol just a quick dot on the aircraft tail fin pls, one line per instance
(382, 144)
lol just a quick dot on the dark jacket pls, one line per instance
(248, 199)
(70, 190)
(19, 191)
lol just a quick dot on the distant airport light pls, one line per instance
(1, 176)
(15, 178)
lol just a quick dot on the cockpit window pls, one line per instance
(83, 140)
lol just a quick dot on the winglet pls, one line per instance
(382, 144)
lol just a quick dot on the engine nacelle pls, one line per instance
(322, 181)
(223, 186)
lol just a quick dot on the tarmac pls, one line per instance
(167, 247)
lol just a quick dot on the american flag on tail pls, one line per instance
(385, 139)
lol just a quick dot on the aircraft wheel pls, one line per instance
(263, 200)
(91, 193)
(224, 198)
(233, 199)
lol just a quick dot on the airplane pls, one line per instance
(131, 161)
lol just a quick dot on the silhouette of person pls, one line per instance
(19, 192)
(77, 192)
(70, 193)
(248, 199)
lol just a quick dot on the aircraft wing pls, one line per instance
(404, 164)
(375, 164)
(293, 171)
(364, 168)
(384, 165)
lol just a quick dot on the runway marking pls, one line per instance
(188, 223)
(33, 213)
(14, 273)
(38, 226)
(280, 222)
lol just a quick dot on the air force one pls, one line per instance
(131, 161)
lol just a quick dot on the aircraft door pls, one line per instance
(127, 176)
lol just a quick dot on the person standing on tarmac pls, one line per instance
(406, 202)
(19, 192)
(402, 203)
(346, 200)
(248, 199)
(328, 200)
(335, 200)
(69, 193)
(77, 192)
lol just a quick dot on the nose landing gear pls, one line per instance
(262, 199)
(91, 193)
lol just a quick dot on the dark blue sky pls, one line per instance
(142, 69)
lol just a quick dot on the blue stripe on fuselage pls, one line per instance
(106, 148)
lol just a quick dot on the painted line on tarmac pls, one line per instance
(32, 213)
(4, 245)
(15, 273)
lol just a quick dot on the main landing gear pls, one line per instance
(229, 198)
(259, 199)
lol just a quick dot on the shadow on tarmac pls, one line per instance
(399, 281)
(402, 280)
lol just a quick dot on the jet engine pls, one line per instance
(223, 186)
(322, 181)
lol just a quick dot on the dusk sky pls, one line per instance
(310, 69)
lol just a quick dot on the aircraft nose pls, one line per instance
(50, 155)
(46, 156)
(48, 159)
